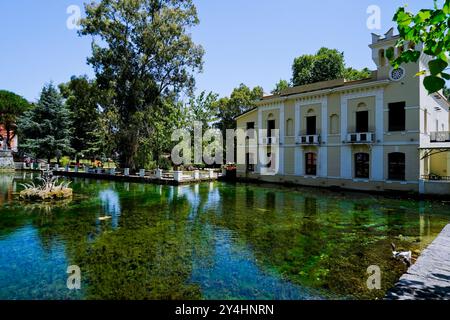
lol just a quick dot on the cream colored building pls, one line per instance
(384, 133)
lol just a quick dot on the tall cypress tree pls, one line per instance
(46, 129)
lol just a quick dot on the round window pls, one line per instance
(397, 74)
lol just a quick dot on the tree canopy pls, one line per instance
(281, 86)
(83, 99)
(431, 28)
(326, 64)
(11, 107)
(241, 100)
(46, 128)
(143, 54)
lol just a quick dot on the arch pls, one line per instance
(381, 57)
(270, 116)
(362, 107)
(334, 124)
(311, 112)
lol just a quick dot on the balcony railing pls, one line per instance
(308, 139)
(361, 137)
(434, 177)
(443, 136)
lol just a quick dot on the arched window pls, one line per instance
(362, 165)
(310, 164)
(382, 58)
(289, 128)
(334, 124)
(396, 166)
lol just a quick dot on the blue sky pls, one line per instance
(247, 41)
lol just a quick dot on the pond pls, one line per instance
(206, 241)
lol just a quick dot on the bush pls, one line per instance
(64, 161)
(164, 163)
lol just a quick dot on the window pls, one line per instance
(397, 116)
(362, 165)
(334, 124)
(289, 128)
(396, 166)
(311, 164)
(250, 163)
(311, 125)
(362, 121)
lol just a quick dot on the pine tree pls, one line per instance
(46, 129)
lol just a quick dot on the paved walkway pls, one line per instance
(429, 277)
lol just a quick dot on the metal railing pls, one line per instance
(442, 136)
(361, 137)
(435, 177)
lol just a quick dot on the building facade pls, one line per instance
(385, 133)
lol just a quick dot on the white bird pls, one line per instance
(404, 256)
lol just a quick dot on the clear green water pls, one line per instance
(207, 241)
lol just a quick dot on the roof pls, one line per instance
(315, 87)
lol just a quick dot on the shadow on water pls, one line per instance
(206, 241)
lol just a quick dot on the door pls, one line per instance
(362, 121)
(311, 125)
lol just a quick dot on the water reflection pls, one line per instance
(211, 240)
(110, 205)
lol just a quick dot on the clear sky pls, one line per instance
(246, 41)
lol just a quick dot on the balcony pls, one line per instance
(361, 138)
(308, 139)
(436, 137)
(435, 177)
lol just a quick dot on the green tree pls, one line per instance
(241, 100)
(83, 99)
(12, 106)
(46, 129)
(351, 74)
(431, 28)
(326, 64)
(447, 92)
(203, 108)
(144, 55)
(280, 86)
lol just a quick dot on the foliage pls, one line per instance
(446, 92)
(241, 100)
(203, 108)
(280, 86)
(430, 27)
(65, 161)
(144, 55)
(12, 106)
(83, 99)
(45, 129)
(326, 64)
(351, 74)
